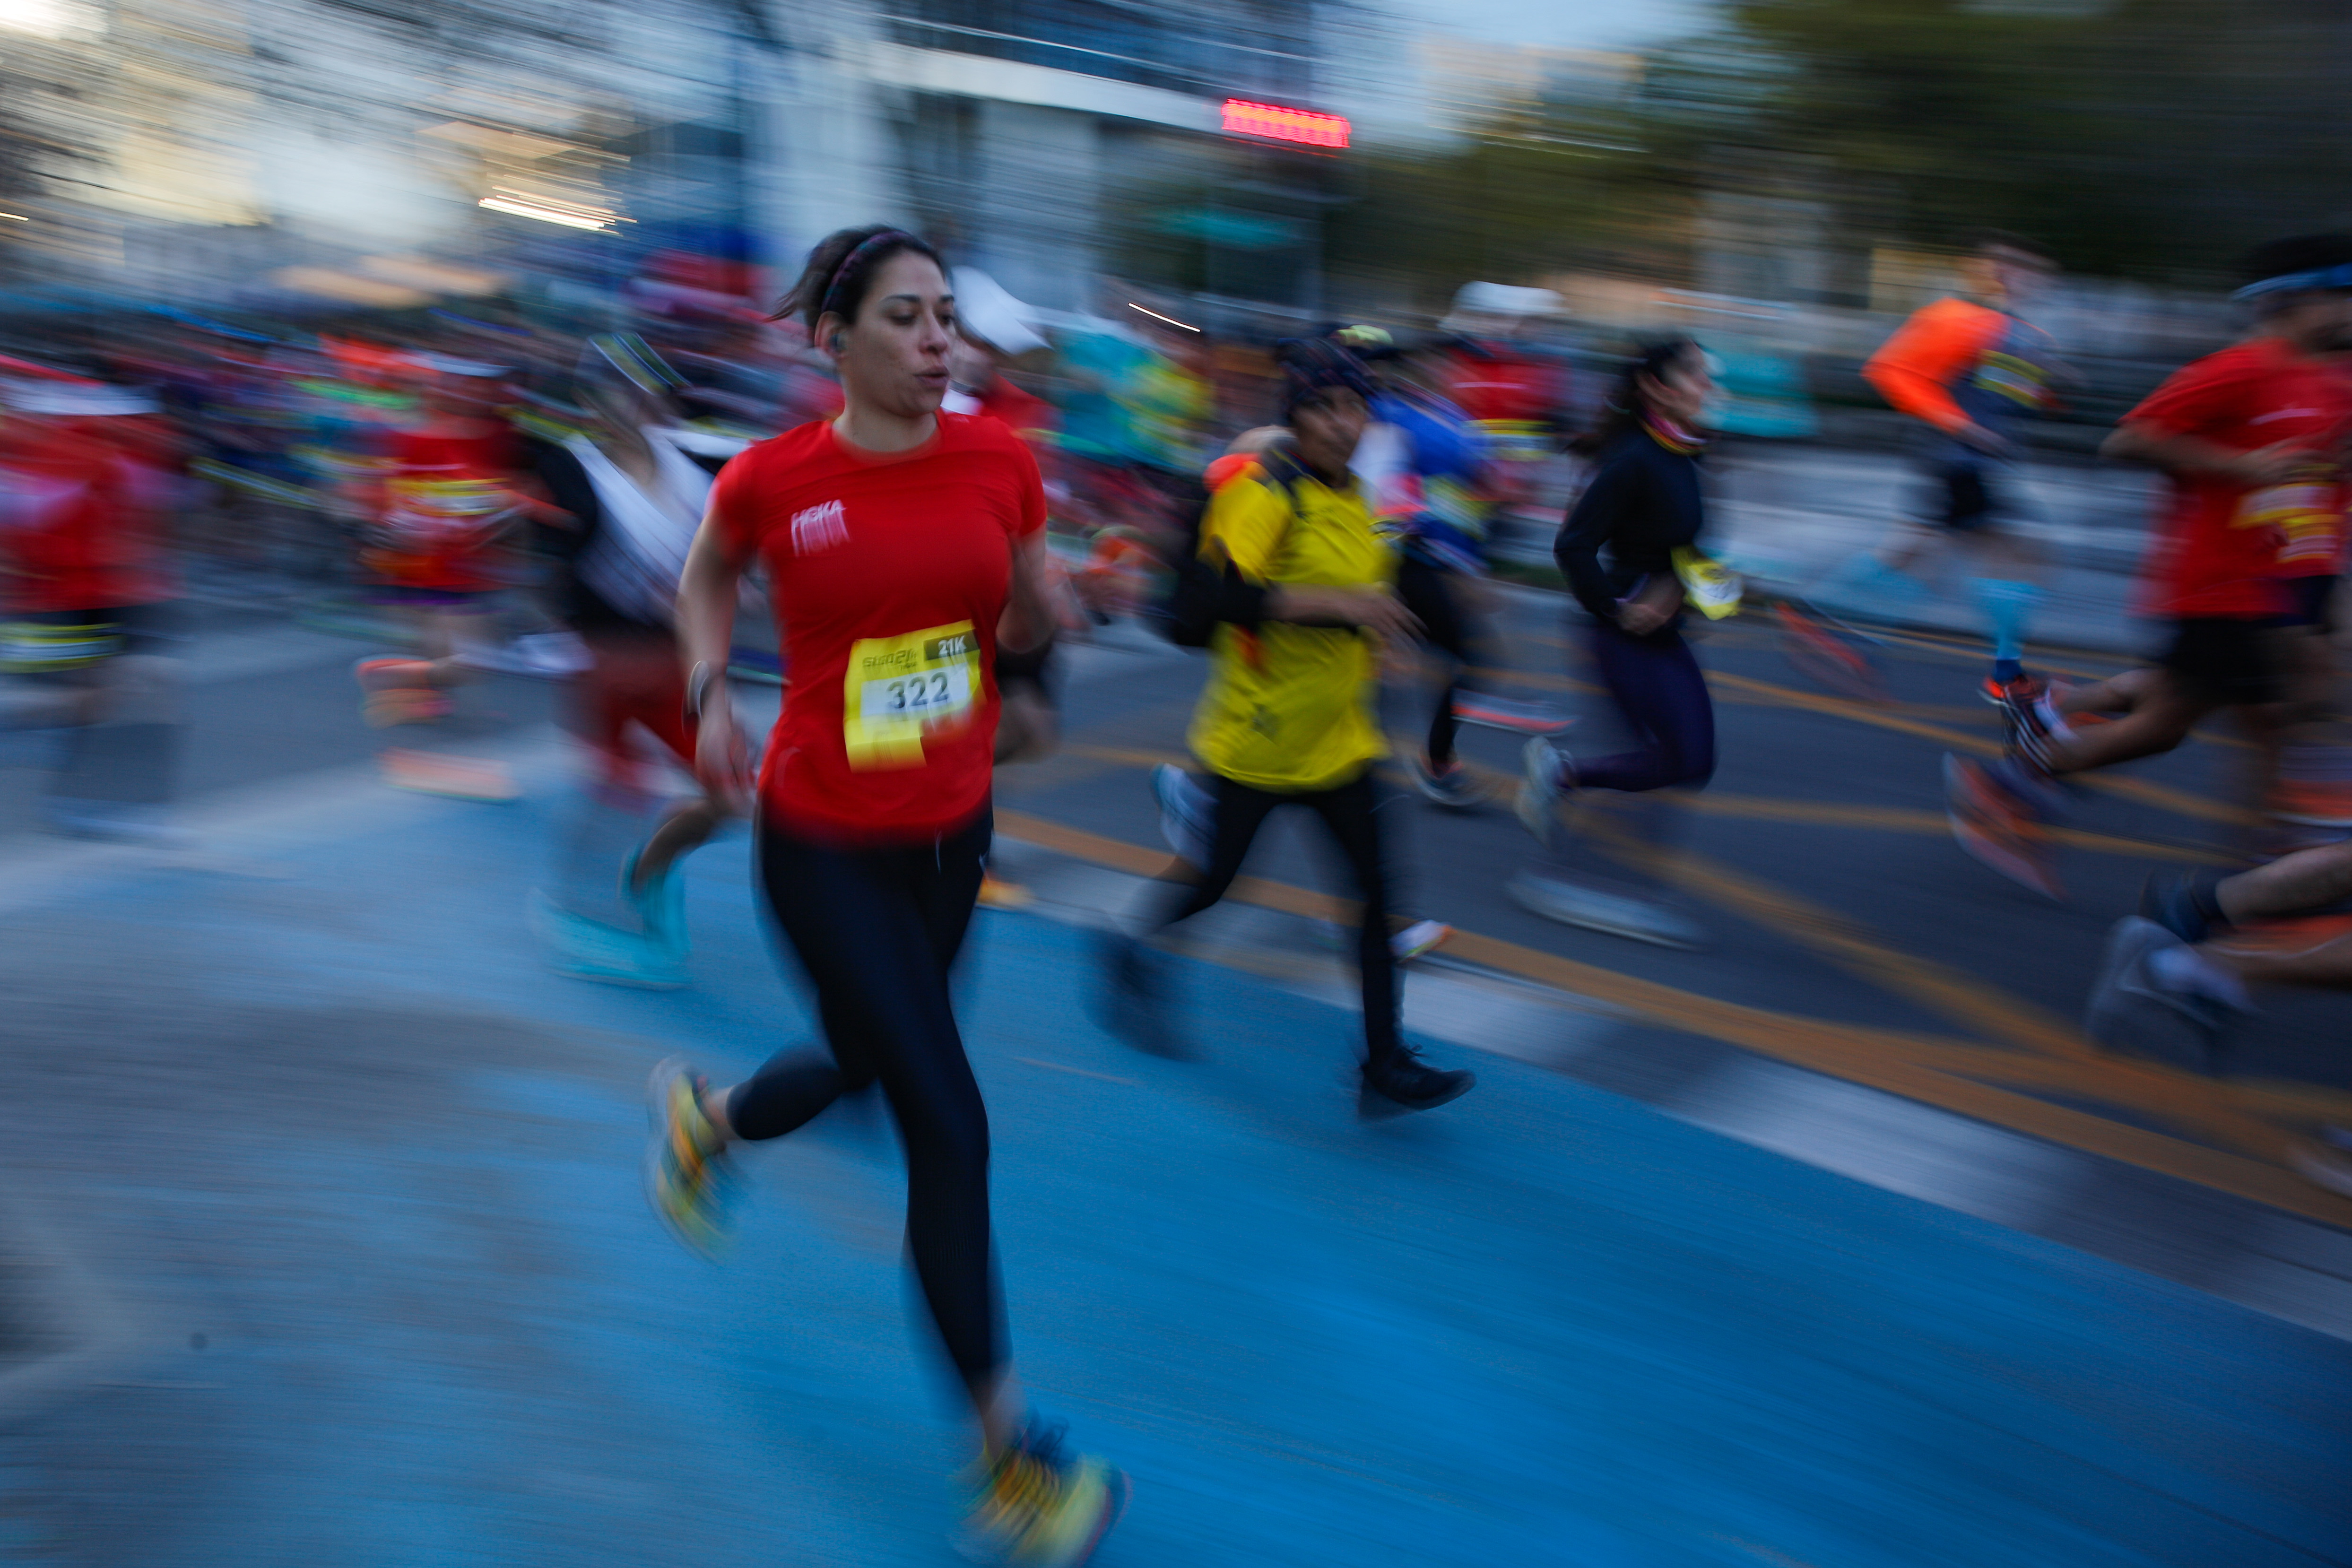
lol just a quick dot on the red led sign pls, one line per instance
(1246, 118)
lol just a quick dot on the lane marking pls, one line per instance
(2157, 794)
(1929, 1068)
(1759, 808)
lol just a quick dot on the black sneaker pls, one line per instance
(1402, 1079)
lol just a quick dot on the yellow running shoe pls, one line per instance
(687, 1171)
(1036, 1506)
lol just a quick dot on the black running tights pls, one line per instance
(1435, 599)
(877, 930)
(1351, 814)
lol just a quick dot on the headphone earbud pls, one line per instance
(835, 342)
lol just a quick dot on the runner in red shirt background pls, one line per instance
(86, 474)
(438, 554)
(899, 544)
(2251, 439)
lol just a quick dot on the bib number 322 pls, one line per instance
(898, 689)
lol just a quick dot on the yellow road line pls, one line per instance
(1908, 819)
(1759, 808)
(2140, 789)
(1916, 1067)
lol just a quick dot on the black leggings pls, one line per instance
(1435, 599)
(877, 930)
(1662, 695)
(1352, 813)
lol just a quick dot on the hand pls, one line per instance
(2271, 464)
(1658, 602)
(1991, 443)
(1639, 619)
(722, 763)
(1373, 610)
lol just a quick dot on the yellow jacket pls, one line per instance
(1291, 708)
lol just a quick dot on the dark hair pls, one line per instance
(840, 271)
(1984, 242)
(1623, 412)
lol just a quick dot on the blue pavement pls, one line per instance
(398, 1193)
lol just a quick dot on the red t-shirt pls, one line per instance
(447, 498)
(81, 503)
(2222, 548)
(887, 573)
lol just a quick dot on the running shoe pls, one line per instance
(1187, 812)
(1450, 786)
(2142, 1006)
(396, 691)
(686, 1171)
(588, 949)
(2004, 822)
(1829, 653)
(2325, 1158)
(1542, 767)
(459, 778)
(1420, 937)
(660, 905)
(2031, 723)
(1491, 712)
(1034, 1505)
(998, 894)
(2182, 903)
(1402, 1079)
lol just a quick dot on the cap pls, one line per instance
(990, 315)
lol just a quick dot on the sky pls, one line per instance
(1560, 23)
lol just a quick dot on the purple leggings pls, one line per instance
(1657, 686)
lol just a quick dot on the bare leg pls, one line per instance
(683, 831)
(2160, 720)
(2309, 879)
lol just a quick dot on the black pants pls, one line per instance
(878, 931)
(1430, 592)
(1352, 813)
(1661, 693)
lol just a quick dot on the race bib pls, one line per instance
(898, 689)
(2307, 510)
(1709, 587)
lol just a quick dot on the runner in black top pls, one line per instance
(1645, 508)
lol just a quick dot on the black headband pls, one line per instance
(832, 290)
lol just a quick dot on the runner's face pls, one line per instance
(1325, 430)
(1681, 393)
(895, 356)
(2319, 323)
(2021, 278)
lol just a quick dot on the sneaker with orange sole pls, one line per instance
(2002, 825)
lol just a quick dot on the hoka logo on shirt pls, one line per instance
(819, 527)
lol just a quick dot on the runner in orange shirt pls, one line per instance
(1967, 368)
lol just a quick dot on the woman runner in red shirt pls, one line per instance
(900, 542)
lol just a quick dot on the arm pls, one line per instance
(705, 635)
(1028, 620)
(1606, 502)
(1914, 369)
(2178, 451)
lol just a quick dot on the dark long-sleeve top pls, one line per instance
(1642, 503)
